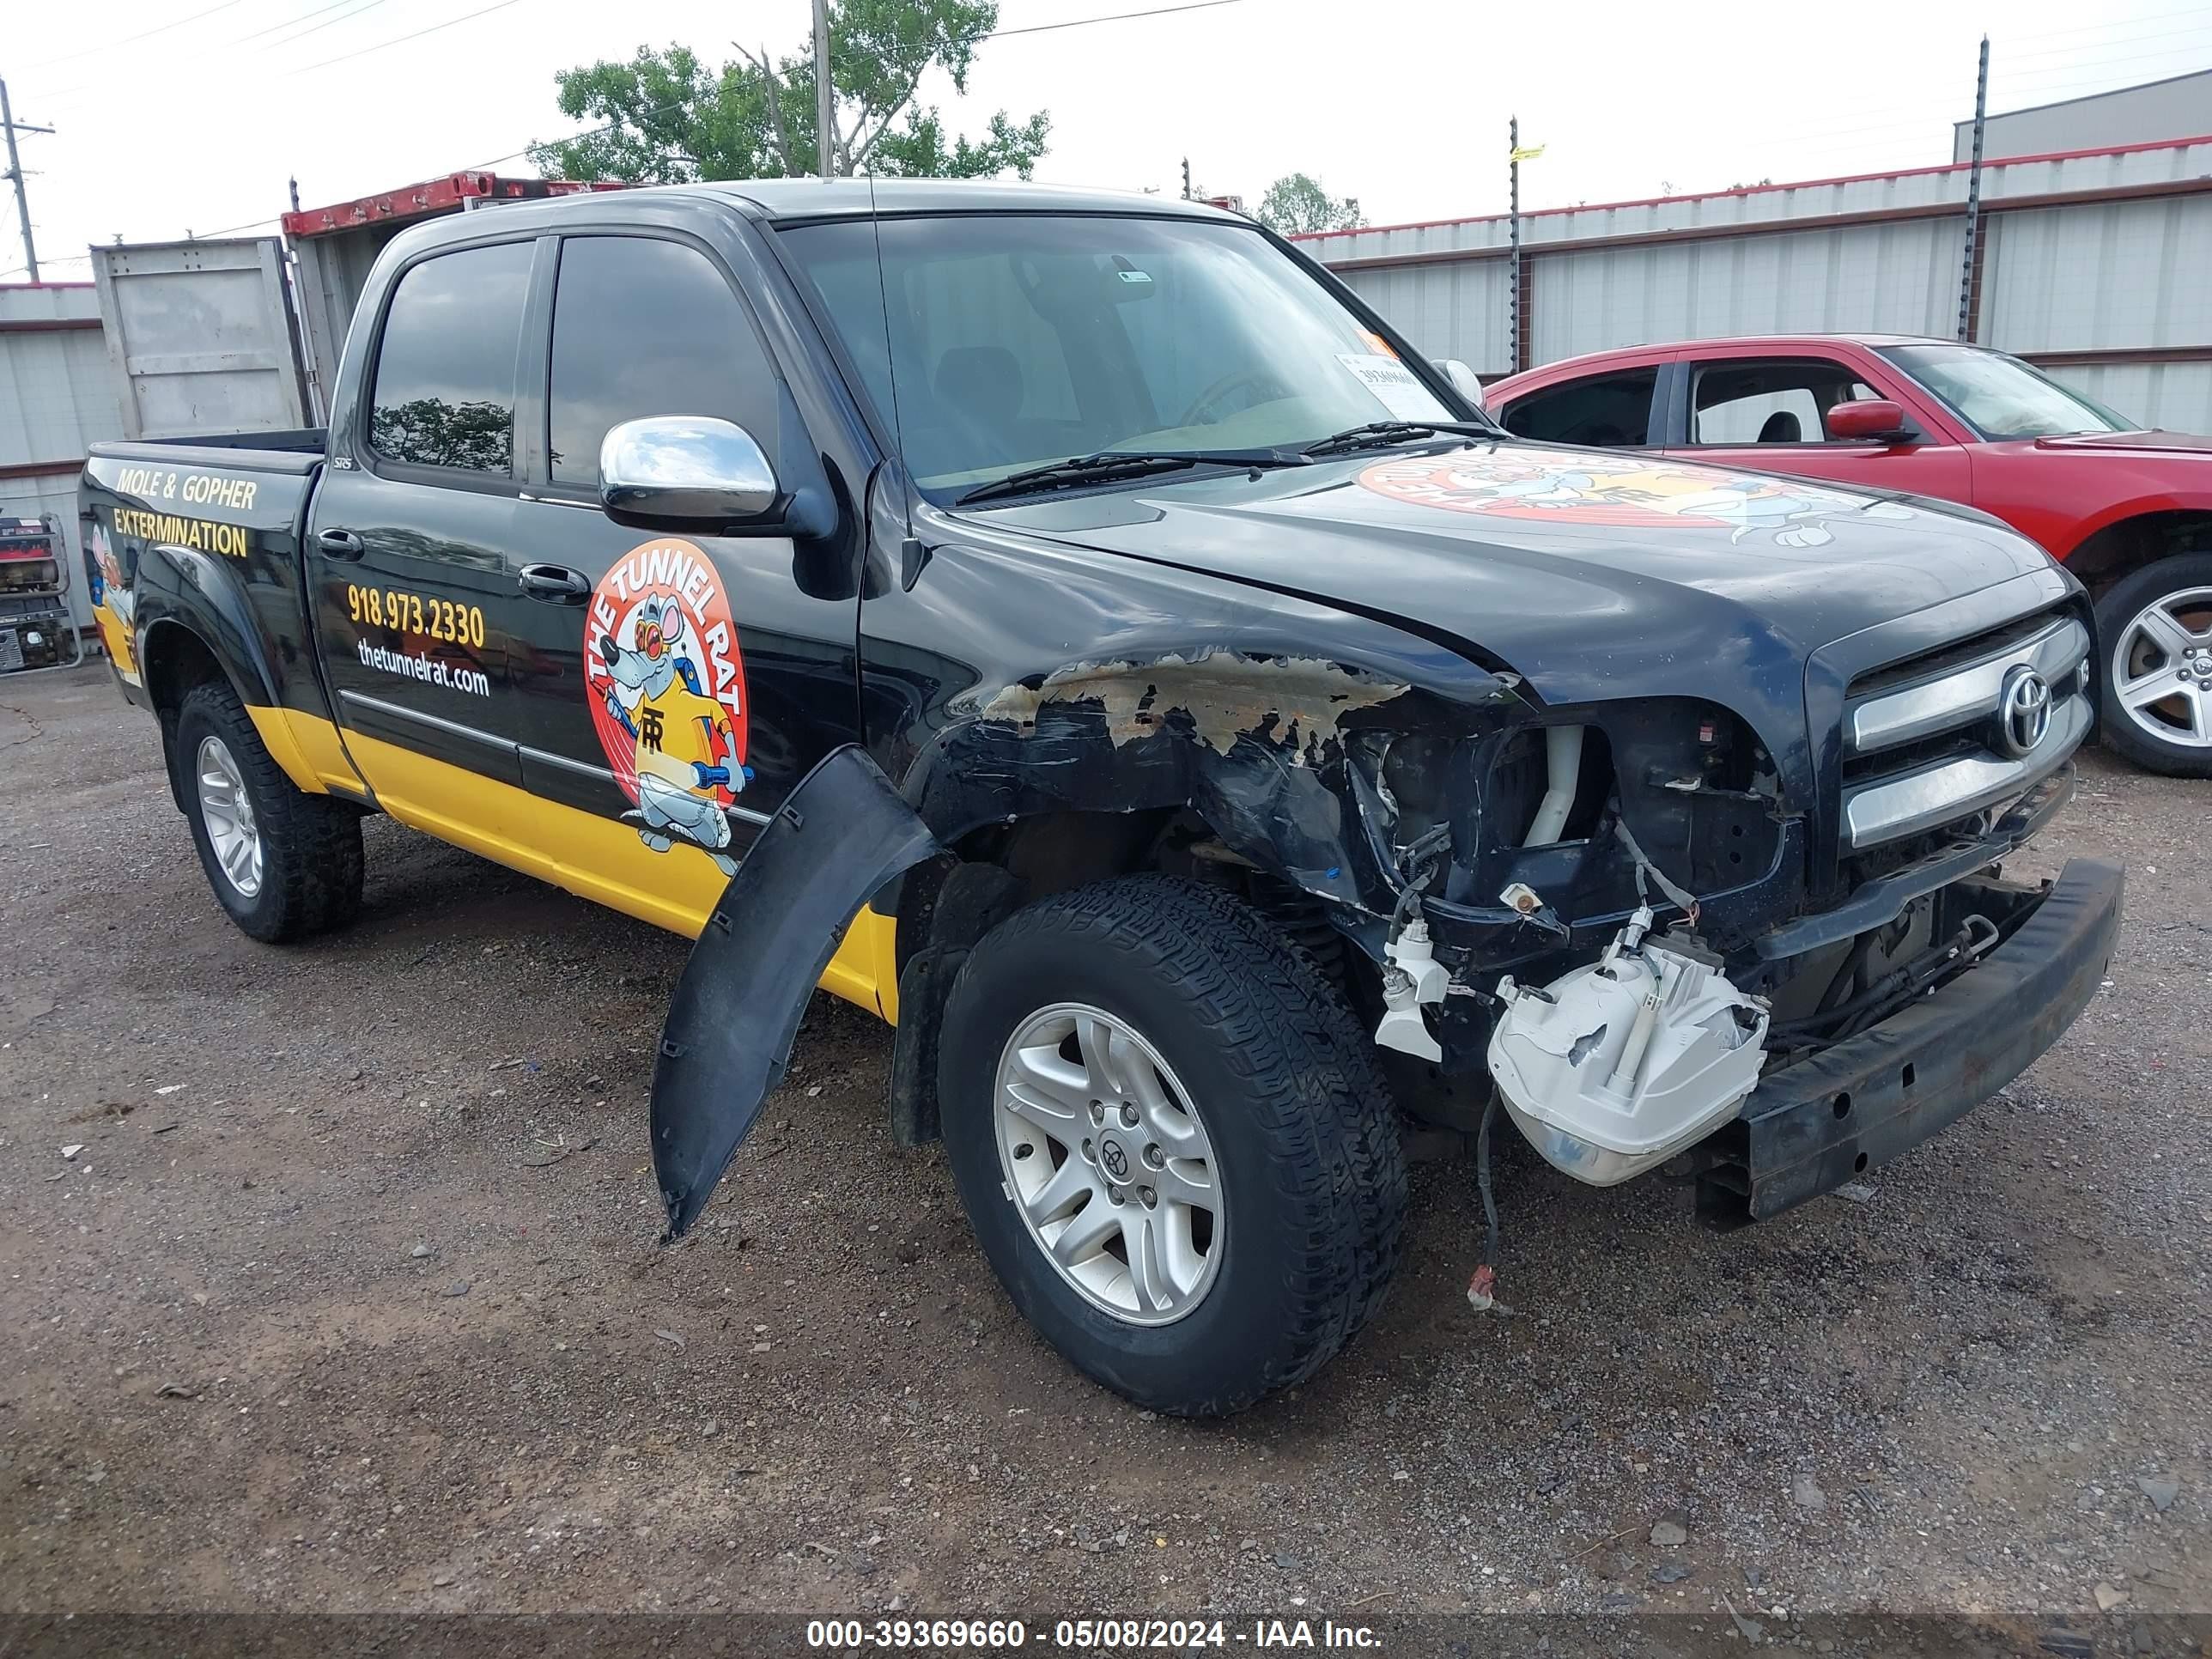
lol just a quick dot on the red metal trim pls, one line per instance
(44, 325)
(40, 469)
(2116, 355)
(429, 199)
(1538, 250)
(1757, 190)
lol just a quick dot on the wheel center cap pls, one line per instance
(1113, 1159)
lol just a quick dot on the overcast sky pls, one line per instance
(1403, 103)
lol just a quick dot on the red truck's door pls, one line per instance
(1767, 412)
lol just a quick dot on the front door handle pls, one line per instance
(340, 544)
(556, 584)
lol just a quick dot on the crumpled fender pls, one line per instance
(837, 838)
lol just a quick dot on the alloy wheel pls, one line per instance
(1109, 1163)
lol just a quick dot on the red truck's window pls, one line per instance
(445, 370)
(642, 327)
(1764, 402)
(1607, 410)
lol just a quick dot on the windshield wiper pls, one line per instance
(1108, 464)
(1378, 433)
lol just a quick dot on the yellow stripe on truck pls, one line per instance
(306, 748)
(594, 857)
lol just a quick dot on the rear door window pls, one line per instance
(644, 327)
(446, 364)
(1605, 412)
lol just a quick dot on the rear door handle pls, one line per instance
(556, 584)
(340, 544)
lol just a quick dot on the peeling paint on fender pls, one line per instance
(1227, 694)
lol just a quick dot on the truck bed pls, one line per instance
(295, 451)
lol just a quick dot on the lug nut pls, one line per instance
(1113, 1195)
(1149, 1196)
(1097, 1113)
(1128, 1117)
(1089, 1156)
(1155, 1157)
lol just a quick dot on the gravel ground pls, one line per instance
(349, 1298)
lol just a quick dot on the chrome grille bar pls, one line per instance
(1914, 801)
(1966, 696)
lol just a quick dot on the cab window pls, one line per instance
(1745, 403)
(446, 364)
(1605, 412)
(644, 327)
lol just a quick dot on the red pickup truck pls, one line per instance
(2129, 511)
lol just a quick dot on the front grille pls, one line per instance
(1931, 741)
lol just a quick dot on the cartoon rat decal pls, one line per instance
(686, 751)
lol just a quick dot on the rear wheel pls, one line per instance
(1171, 1140)
(2155, 646)
(284, 864)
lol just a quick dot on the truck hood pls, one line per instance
(1593, 573)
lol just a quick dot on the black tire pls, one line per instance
(2122, 603)
(311, 875)
(1302, 1129)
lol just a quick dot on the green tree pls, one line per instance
(669, 118)
(1297, 202)
(475, 435)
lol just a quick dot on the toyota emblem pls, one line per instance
(1116, 1160)
(2023, 710)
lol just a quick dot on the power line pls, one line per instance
(224, 46)
(1112, 17)
(303, 34)
(1035, 28)
(143, 34)
(400, 39)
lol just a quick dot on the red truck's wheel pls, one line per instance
(1172, 1141)
(282, 863)
(2154, 665)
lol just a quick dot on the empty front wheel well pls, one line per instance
(946, 905)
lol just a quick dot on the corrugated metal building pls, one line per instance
(2091, 263)
(2179, 106)
(56, 398)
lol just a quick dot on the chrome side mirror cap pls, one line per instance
(1464, 379)
(685, 472)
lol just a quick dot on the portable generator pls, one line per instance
(35, 630)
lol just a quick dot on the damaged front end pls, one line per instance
(1666, 942)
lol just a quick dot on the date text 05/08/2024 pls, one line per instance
(1087, 1635)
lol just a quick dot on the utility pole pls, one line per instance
(12, 126)
(1513, 232)
(1186, 177)
(1974, 199)
(825, 95)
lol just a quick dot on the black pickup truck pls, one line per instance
(1078, 629)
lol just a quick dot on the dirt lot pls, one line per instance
(351, 1299)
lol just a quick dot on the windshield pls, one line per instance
(1023, 338)
(2001, 396)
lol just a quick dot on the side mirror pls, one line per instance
(688, 472)
(1464, 379)
(1877, 418)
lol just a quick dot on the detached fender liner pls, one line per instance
(1811, 1127)
(838, 837)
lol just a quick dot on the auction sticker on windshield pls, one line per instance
(1393, 385)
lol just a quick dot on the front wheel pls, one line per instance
(2154, 665)
(1172, 1142)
